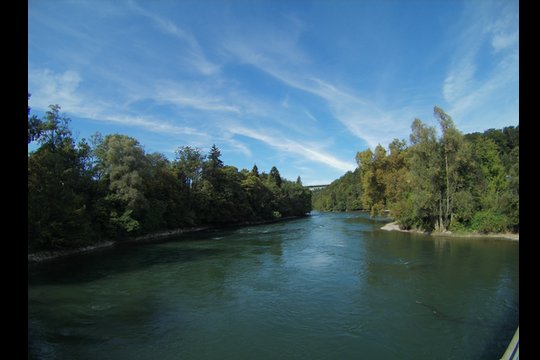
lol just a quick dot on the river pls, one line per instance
(328, 286)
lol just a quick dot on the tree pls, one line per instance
(259, 196)
(295, 199)
(214, 156)
(426, 177)
(34, 126)
(255, 171)
(188, 167)
(395, 177)
(491, 184)
(59, 187)
(212, 170)
(110, 188)
(372, 171)
(457, 161)
(124, 165)
(343, 194)
(166, 201)
(451, 182)
(189, 164)
(275, 176)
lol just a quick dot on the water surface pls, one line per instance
(329, 286)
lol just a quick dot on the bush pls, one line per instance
(489, 221)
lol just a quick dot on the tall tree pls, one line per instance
(124, 165)
(213, 169)
(255, 171)
(457, 161)
(426, 177)
(59, 187)
(189, 164)
(373, 167)
(214, 157)
(364, 160)
(275, 176)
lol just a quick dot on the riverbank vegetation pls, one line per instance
(109, 188)
(436, 182)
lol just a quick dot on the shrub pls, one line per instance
(489, 221)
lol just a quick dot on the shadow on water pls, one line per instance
(92, 314)
(201, 246)
(89, 267)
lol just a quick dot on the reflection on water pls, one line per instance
(324, 287)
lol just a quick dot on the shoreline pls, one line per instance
(46, 255)
(393, 226)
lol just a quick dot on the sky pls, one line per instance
(301, 85)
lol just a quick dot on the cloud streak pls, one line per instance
(52, 88)
(193, 98)
(291, 147)
(195, 55)
(361, 117)
(471, 87)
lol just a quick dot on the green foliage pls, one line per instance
(124, 167)
(110, 188)
(448, 182)
(487, 221)
(275, 176)
(342, 194)
(188, 165)
(60, 189)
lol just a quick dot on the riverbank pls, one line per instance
(48, 255)
(393, 226)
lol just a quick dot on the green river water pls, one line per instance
(328, 286)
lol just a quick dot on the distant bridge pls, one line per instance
(316, 187)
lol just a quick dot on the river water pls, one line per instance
(328, 286)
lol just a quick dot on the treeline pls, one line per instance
(437, 182)
(110, 188)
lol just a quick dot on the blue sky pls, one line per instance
(300, 85)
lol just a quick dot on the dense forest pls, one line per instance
(437, 182)
(342, 194)
(108, 188)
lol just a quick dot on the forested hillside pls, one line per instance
(446, 181)
(342, 194)
(108, 187)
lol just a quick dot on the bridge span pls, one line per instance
(316, 187)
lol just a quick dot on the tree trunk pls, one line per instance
(440, 227)
(447, 191)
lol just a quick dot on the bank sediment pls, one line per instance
(394, 226)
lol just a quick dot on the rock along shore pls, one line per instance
(393, 226)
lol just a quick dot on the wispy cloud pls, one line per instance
(361, 117)
(473, 84)
(310, 115)
(459, 80)
(195, 97)
(195, 55)
(504, 31)
(62, 88)
(49, 88)
(153, 125)
(292, 147)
